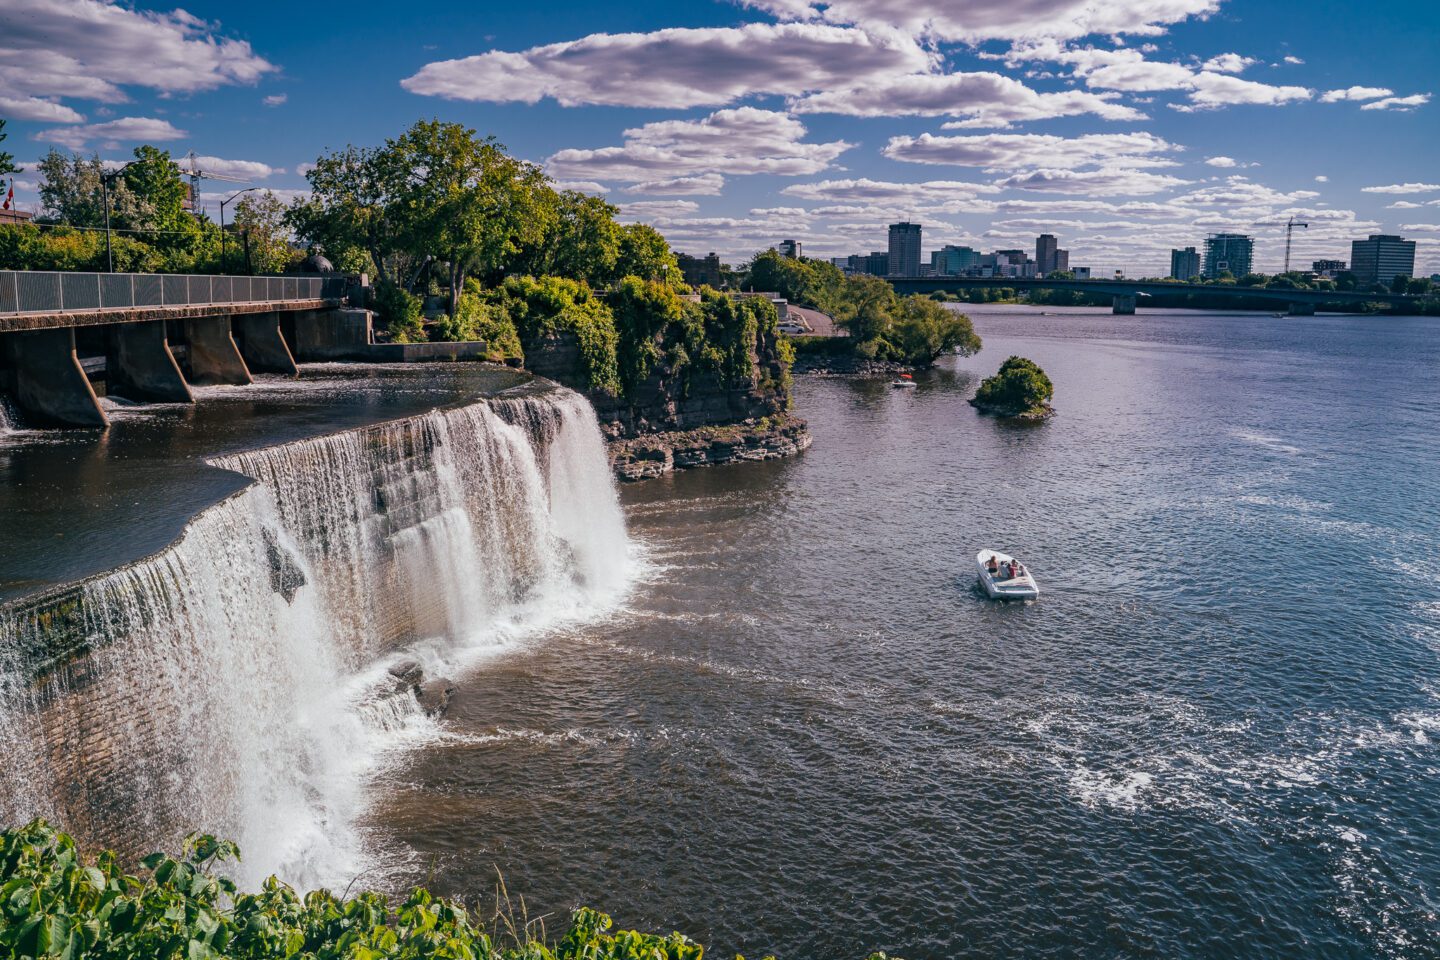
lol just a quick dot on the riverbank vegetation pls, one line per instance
(1203, 300)
(55, 902)
(1020, 389)
(883, 326)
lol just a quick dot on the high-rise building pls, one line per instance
(1381, 259)
(953, 261)
(1062, 261)
(700, 271)
(904, 249)
(1045, 249)
(1228, 252)
(1185, 264)
(789, 248)
(876, 263)
(1327, 268)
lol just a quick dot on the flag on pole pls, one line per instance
(9, 197)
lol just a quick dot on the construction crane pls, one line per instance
(1290, 226)
(191, 169)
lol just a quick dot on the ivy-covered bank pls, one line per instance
(55, 902)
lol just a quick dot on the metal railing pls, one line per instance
(36, 291)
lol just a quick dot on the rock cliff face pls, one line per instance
(660, 425)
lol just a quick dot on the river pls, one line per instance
(806, 732)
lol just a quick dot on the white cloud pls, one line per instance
(248, 169)
(1020, 151)
(988, 99)
(1227, 63)
(704, 185)
(869, 191)
(1399, 103)
(1129, 70)
(1104, 182)
(1321, 178)
(653, 209)
(303, 168)
(1210, 91)
(582, 186)
(1404, 205)
(129, 129)
(284, 194)
(1420, 227)
(1222, 162)
(1355, 93)
(740, 141)
(36, 108)
(92, 49)
(1293, 60)
(677, 68)
(275, 99)
(972, 21)
(1402, 188)
(1237, 191)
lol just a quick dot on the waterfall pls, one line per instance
(239, 681)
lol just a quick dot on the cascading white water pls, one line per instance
(241, 673)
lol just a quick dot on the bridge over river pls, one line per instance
(1127, 294)
(68, 338)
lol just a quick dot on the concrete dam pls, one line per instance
(217, 616)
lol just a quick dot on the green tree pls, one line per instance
(260, 217)
(1019, 388)
(924, 329)
(868, 308)
(580, 239)
(7, 161)
(352, 206)
(645, 253)
(465, 200)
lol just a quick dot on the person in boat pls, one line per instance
(993, 565)
(1010, 570)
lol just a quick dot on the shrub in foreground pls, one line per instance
(56, 903)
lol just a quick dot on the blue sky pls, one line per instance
(1125, 127)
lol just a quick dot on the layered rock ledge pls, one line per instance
(768, 438)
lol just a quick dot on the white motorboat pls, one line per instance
(904, 380)
(998, 585)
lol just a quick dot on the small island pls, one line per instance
(1020, 391)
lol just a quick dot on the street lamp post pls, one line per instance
(222, 222)
(105, 179)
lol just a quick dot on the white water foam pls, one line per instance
(260, 643)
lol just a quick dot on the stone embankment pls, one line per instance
(654, 454)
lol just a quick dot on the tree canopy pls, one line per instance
(1020, 388)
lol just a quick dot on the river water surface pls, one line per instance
(1216, 734)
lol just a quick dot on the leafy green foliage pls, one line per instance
(550, 307)
(644, 311)
(400, 312)
(56, 903)
(1020, 387)
(912, 330)
(7, 161)
(644, 253)
(479, 319)
(260, 222)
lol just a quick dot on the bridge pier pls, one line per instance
(1123, 304)
(214, 358)
(1302, 309)
(263, 346)
(50, 384)
(140, 365)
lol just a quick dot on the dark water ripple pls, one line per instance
(1215, 735)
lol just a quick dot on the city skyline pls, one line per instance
(1128, 131)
